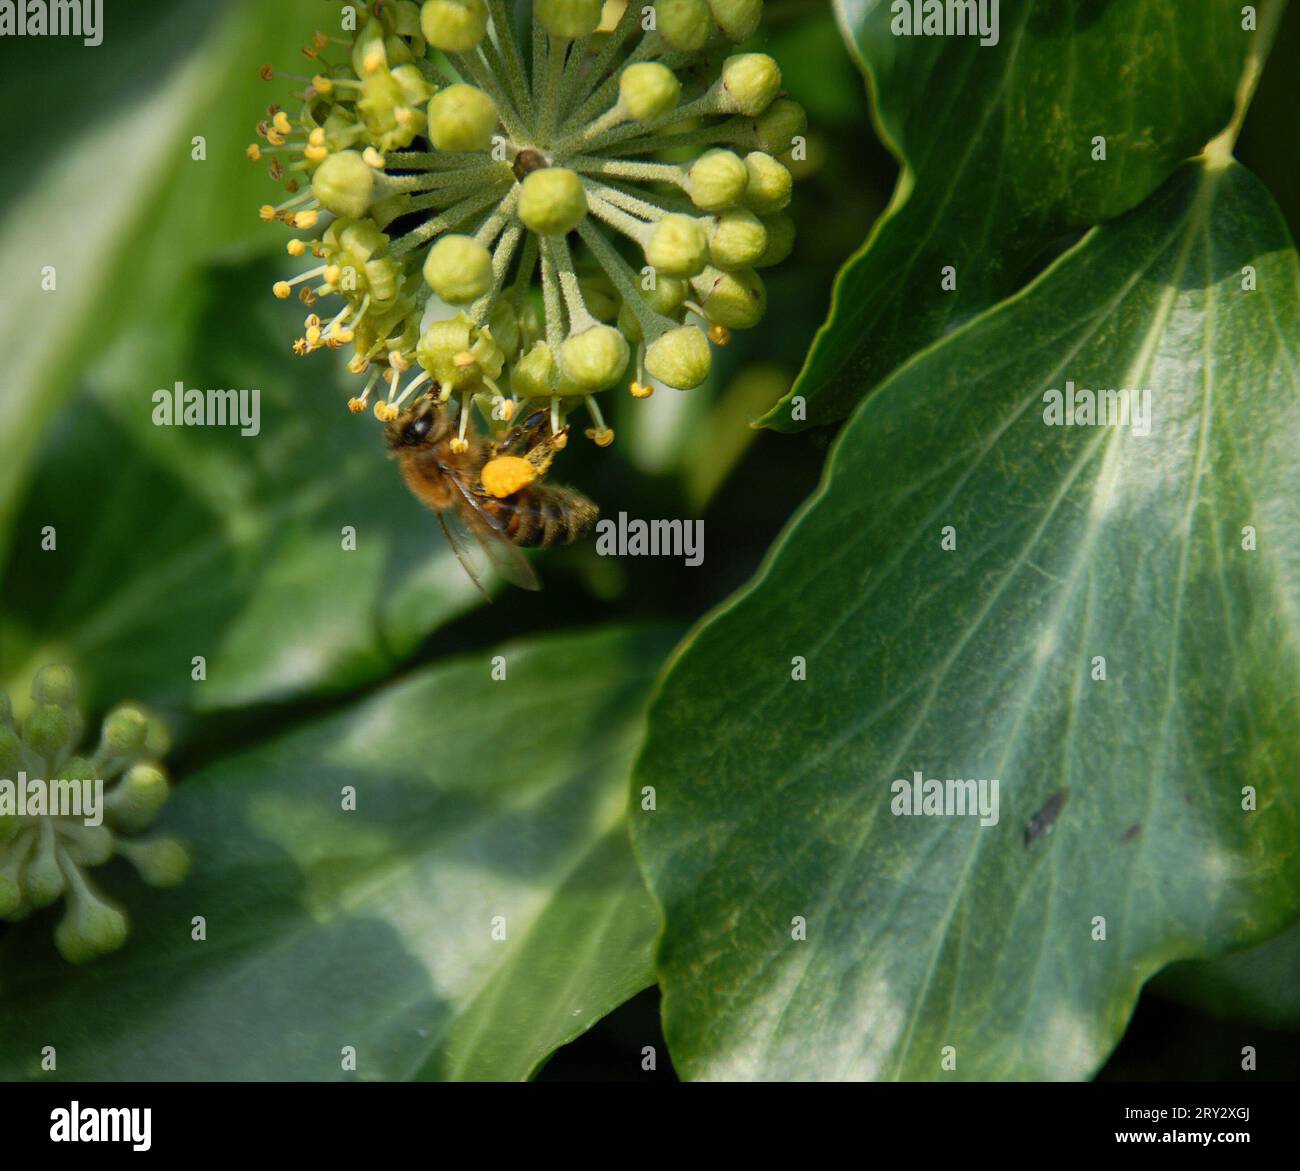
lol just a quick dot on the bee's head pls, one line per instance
(422, 424)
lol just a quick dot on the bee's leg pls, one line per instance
(542, 452)
(525, 436)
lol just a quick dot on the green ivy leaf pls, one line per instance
(996, 144)
(1171, 555)
(475, 799)
(204, 542)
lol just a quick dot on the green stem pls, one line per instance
(653, 325)
(455, 214)
(580, 317)
(508, 51)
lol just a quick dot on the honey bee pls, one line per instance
(514, 509)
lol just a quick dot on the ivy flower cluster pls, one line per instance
(516, 216)
(45, 851)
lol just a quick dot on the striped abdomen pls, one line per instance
(541, 515)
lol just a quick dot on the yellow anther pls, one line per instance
(333, 274)
(719, 335)
(266, 213)
(313, 336)
(356, 405)
(398, 362)
(254, 153)
(301, 348)
(405, 116)
(316, 154)
(317, 137)
(306, 220)
(373, 61)
(281, 123)
(283, 290)
(507, 409)
(385, 412)
(560, 440)
(463, 360)
(346, 337)
(312, 322)
(506, 474)
(274, 137)
(373, 158)
(601, 437)
(459, 446)
(359, 364)
(641, 389)
(296, 247)
(322, 84)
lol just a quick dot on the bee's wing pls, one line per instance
(471, 530)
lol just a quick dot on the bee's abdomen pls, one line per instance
(540, 516)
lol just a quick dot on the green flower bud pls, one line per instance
(503, 321)
(454, 26)
(344, 184)
(125, 729)
(648, 90)
(666, 297)
(405, 17)
(678, 245)
(552, 201)
(769, 183)
(458, 269)
(398, 51)
(717, 180)
(600, 296)
(57, 685)
(11, 754)
(593, 359)
(91, 928)
(780, 240)
(533, 373)
(738, 239)
(157, 739)
(684, 24)
(160, 862)
(779, 125)
(462, 118)
(568, 18)
(750, 82)
(43, 880)
(681, 358)
(48, 730)
(136, 800)
(369, 53)
(738, 19)
(444, 344)
(88, 845)
(736, 299)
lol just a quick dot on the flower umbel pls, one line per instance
(508, 224)
(45, 850)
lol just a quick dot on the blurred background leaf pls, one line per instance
(115, 203)
(476, 798)
(176, 542)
